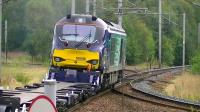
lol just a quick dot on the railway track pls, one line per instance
(141, 75)
(131, 91)
(137, 95)
(71, 97)
(135, 77)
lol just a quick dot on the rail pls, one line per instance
(172, 102)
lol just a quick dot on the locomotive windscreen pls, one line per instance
(78, 33)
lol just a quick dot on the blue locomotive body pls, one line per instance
(97, 57)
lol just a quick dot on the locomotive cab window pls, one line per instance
(78, 33)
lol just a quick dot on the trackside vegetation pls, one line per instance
(195, 62)
(184, 86)
(19, 71)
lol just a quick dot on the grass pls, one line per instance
(22, 78)
(144, 66)
(185, 86)
(17, 58)
(18, 71)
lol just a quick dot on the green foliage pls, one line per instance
(30, 26)
(22, 78)
(39, 26)
(177, 45)
(171, 32)
(141, 46)
(39, 15)
(168, 52)
(195, 62)
(13, 12)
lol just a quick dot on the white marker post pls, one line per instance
(50, 89)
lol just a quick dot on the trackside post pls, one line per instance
(50, 89)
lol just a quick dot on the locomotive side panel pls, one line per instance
(116, 52)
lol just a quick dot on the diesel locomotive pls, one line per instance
(87, 49)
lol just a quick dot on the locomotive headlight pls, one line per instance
(80, 20)
(58, 59)
(93, 62)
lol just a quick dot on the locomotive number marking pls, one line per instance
(80, 58)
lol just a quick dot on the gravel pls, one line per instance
(115, 103)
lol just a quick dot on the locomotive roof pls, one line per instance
(89, 19)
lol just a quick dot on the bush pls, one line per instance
(22, 79)
(195, 62)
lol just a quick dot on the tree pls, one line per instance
(141, 45)
(39, 22)
(195, 62)
(168, 52)
(15, 17)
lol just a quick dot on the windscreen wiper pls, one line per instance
(83, 40)
(74, 34)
